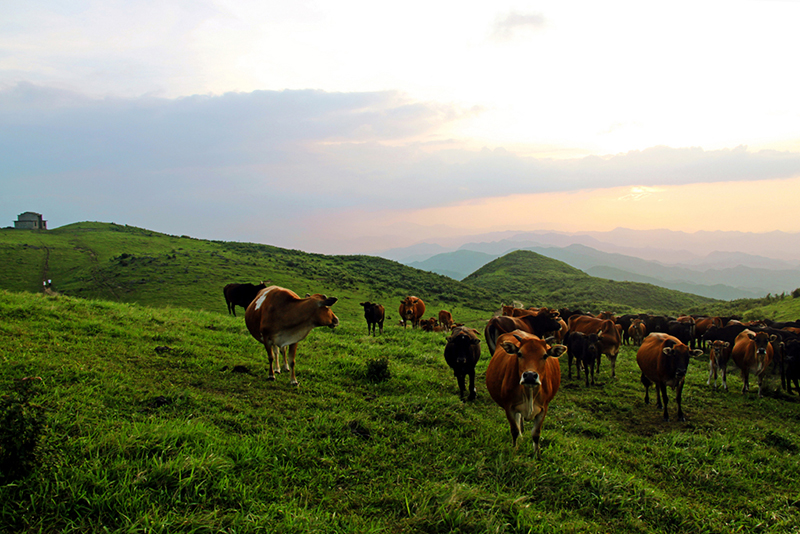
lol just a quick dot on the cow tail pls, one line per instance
(491, 337)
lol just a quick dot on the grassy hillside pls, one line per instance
(129, 264)
(537, 279)
(147, 428)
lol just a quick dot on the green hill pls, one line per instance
(129, 264)
(537, 279)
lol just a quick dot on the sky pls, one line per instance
(355, 127)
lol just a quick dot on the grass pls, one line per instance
(174, 440)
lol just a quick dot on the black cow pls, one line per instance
(240, 295)
(461, 353)
(791, 365)
(585, 348)
(657, 323)
(374, 314)
(683, 331)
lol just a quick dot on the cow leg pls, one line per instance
(745, 381)
(380, 324)
(472, 391)
(536, 432)
(461, 387)
(724, 375)
(515, 422)
(613, 360)
(569, 365)
(760, 384)
(292, 354)
(586, 373)
(662, 389)
(271, 349)
(647, 383)
(678, 395)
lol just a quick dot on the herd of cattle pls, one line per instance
(524, 373)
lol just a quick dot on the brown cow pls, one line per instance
(539, 324)
(278, 318)
(718, 360)
(411, 310)
(427, 325)
(702, 325)
(637, 331)
(606, 330)
(752, 353)
(664, 360)
(523, 376)
(446, 319)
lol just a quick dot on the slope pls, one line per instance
(540, 280)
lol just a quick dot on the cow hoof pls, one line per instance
(295, 382)
(471, 396)
(285, 368)
(682, 419)
(271, 377)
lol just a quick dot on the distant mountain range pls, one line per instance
(722, 275)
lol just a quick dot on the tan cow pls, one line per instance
(523, 376)
(278, 318)
(606, 330)
(752, 353)
(411, 310)
(446, 319)
(664, 360)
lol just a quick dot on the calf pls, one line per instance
(523, 376)
(664, 360)
(240, 295)
(374, 314)
(446, 319)
(461, 353)
(636, 331)
(607, 332)
(586, 350)
(278, 318)
(752, 353)
(718, 359)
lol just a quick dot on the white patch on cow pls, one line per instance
(263, 295)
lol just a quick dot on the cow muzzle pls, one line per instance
(530, 379)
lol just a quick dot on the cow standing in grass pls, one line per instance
(278, 318)
(462, 353)
(664, 360)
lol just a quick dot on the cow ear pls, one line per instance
(328, 302)
(773, 337)
(556, 351)
(697, 352)
(726, 344)
(751, 336)
(509, 347)
(667, 351)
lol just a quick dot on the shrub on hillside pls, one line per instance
(21, 426)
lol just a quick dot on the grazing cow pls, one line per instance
(539, 324)
(606, 330)
(791, 366)
(411, 310)
(637, 331)
(752, 353)
(718, 357)
(278, 318)
(446, 318)
(240, 295)
(374, 314)
(664, 360)
(523, 376)
(585, 348)
(461, 353)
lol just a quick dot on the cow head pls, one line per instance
(762, 341)
(531, 352)
(323, 315)
(718, 352)
(463, 338)
(674, 362)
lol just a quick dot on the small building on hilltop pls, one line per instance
(30, 221)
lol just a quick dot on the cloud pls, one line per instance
(240, 165)
(506, 26)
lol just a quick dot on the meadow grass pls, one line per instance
(162, 420)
